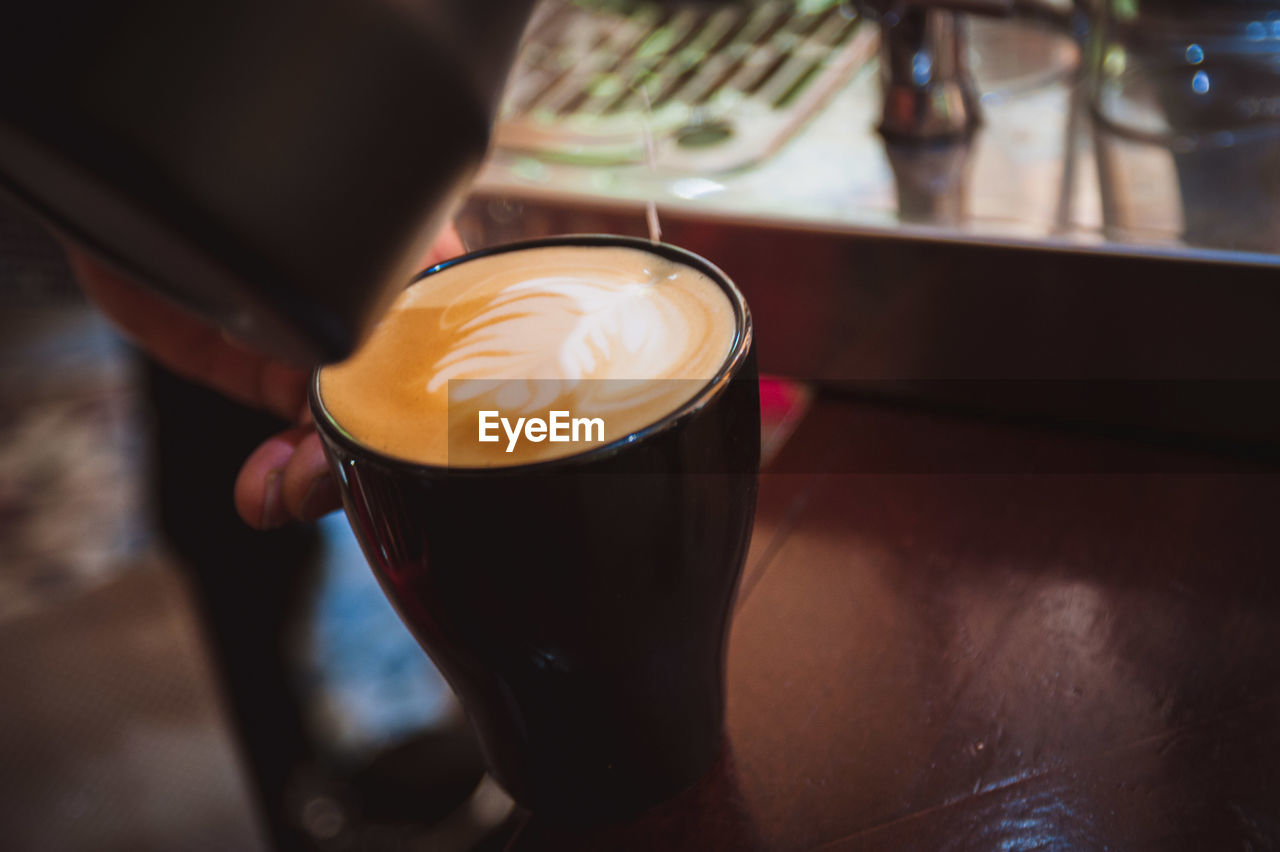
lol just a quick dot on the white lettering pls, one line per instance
(559, 427)
(586, 423)
(486, 423)
(512, 434)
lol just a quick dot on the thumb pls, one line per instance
(285, 478)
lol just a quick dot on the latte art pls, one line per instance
(609, 332)
(563, 330)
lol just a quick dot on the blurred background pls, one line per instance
(972, 191)
(172, 679)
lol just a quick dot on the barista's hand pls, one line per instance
(287, 476)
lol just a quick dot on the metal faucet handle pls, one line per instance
(928, 93)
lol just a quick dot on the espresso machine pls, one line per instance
(1050, 209)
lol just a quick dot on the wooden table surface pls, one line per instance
(956, 635)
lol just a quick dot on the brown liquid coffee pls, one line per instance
(598, 332)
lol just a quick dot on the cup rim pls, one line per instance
(331, 430)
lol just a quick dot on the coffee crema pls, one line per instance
(613, 333)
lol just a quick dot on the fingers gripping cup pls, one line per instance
(548, 452)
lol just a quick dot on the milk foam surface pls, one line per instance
(599, 331)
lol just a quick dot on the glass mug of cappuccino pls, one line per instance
(548, 452)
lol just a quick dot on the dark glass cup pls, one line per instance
(579, 607)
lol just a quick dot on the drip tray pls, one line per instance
(693, 88)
